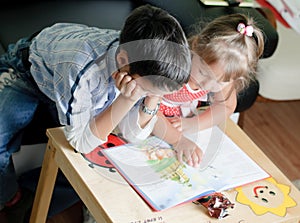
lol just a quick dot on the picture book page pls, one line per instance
(153, 170)
(227, 164)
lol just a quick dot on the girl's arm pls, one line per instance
(222, 107)
(186, 149)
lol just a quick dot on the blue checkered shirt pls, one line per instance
(72, 64)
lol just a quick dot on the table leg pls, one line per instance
(45, 186)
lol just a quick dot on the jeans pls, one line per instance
(19, 98)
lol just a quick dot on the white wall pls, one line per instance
(29, 157)
(279, 75)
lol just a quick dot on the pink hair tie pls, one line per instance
(246, 30)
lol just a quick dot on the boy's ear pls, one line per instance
(122, 58)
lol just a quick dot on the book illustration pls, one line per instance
(164, 162)
(162, 159)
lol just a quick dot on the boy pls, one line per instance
(76, 71)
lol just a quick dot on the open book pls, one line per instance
(152, 169)
(244, 3)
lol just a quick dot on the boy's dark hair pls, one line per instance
(156, 47)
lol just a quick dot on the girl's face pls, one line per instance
(207, 77)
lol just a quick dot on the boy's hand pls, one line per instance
(188, 151)
(127, 86)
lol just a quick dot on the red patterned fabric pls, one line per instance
(185, 94)
(170, 105)
(170, 111)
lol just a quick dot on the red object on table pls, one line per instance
(97, 157)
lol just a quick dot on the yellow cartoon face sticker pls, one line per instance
(266, 196)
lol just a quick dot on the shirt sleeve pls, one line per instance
(70, 66)
(83, 141)
(91, 97)
(130, 128)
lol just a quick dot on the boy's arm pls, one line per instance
(138, 124)
(148, 109)
(105, 122)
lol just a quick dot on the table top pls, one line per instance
(110, 199)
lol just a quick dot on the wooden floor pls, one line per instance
(275, 128)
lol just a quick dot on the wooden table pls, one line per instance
(115, 201)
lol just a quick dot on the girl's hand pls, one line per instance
(185, 124)
(176, 122)
(188, 151)
(127, 86)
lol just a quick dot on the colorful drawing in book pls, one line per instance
(164, 162)
(266, 196)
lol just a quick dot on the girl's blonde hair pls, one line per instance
(221, 42)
